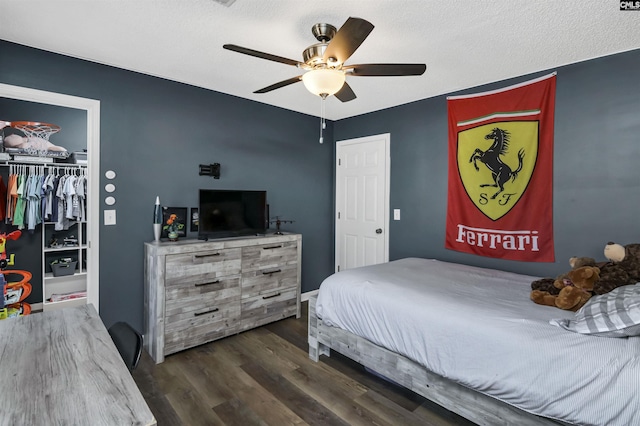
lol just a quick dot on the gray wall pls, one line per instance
(155, 133)
(596, 165)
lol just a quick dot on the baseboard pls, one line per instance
(304, 297)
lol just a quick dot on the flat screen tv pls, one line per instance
(231, 213)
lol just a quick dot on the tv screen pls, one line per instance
(231, 213)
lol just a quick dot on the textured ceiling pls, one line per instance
(464, 43)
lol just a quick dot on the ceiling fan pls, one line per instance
(324, 62)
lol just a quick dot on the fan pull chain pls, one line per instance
(323, 121)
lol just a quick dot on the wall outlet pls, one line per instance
(396, 214)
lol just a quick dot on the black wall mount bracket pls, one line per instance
(210, 170)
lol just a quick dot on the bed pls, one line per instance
(469, 339)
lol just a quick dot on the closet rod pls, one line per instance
(46, 165)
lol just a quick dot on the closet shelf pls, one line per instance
(65, 303)
(63, 248)
(49, 276)
(45, 165)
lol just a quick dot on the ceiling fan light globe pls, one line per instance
(323, 82)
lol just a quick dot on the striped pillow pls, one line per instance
(613, 314)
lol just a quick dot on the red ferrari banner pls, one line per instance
(501, 172)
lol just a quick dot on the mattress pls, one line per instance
(477, 327)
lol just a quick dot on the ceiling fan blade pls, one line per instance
(280, 84)
(262, 55)
(345, 94)
(348, 38)
(386, 70)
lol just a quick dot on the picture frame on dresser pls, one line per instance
(195, 220)
(181, 218)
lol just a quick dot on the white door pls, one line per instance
(362, 201)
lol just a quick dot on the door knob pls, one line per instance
(379, 231)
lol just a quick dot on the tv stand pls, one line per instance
(199, 291)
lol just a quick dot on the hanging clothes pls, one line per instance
(48, 187)
(12, 194)
(37, 194)
(33, 190)
(18, 214)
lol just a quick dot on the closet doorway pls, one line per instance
(92, 109)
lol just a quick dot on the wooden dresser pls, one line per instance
(199, 291)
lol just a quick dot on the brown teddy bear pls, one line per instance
(577, 262)
(573, 291)
(623, 267)
(554, 285)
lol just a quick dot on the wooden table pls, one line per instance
(61, 367)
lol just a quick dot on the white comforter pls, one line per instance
(478, 327)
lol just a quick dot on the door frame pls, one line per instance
(92, 107)
(387, 182)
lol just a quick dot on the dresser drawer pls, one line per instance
(185, 313)
(203, 264)
(269, 307)
(201, 318)
(269, 255)
(204, 329)
(268, 281)
(190, 293)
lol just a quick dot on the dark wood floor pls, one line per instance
(265, 377)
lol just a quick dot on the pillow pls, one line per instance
(613, 314)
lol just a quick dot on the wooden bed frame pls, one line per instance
(475, 406)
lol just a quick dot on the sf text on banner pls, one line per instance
(500, 190)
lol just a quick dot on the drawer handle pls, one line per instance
(198, 256)
(197, 314)
(269, 297)
(271, 247)
(209, 283)
(272, 272)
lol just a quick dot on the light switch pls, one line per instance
(396, 214)
(109, 217)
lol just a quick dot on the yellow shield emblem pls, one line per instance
(496, 162)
